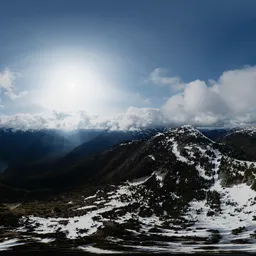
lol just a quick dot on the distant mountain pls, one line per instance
(177, 191)
(19, 147)
(55, 159)
(80, 136)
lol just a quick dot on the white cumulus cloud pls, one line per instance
(7, 78)
(228, 101)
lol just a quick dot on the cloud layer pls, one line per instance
(228, 101)
(132, 119)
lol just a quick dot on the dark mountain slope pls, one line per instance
(67, 177)
(104, 141)
(57, 163)
(47, 145)
(20, 147)
(8, 193)
(214, 133)
(241, 141)
(129, 160)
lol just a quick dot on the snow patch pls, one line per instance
(6, 245)
(152, 157)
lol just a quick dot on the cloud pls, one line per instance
(228, 101)
(14, 96)
(7, 78)
(159, 77)
(136, 118)
(132, 119)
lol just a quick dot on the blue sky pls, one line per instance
(128, 60)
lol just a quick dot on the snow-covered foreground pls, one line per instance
(87, 223)
(238, 206)
(237, 210)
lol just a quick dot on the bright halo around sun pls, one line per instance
(73, 86)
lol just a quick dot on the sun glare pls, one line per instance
(72, 86)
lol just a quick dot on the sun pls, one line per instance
(72, 86)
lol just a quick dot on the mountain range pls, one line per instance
(160, 190)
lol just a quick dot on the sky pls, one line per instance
(120, 64)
